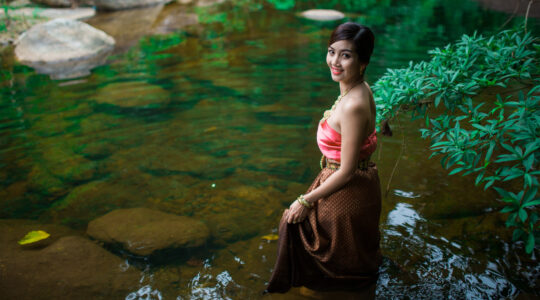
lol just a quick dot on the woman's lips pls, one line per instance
(336, 71)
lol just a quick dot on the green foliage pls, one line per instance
(6, 20)
(498, 145)
(458, 70)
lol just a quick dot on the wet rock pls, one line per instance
(63, 3)
(44, 182)
(235, 211)
(205, 3)
(63, 48)
(163, 160)
(66, 267)
(133, 95)
(143, 231)
(60, 161)
(323, 14)
(46, 14)
(90, 200)
(54, 3)
(12, 198)
(174, 18)
(139, 21)
(125, 4)
(230, 228)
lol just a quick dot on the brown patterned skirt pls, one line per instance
(337, 245)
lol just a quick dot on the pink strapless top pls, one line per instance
(329, 142)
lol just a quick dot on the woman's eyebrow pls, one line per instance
(342, 50)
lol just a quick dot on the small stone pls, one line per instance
(323, 14)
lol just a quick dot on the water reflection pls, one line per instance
(405, 194)
(145, 293)
(403, 216)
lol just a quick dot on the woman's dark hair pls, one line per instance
(360, 35)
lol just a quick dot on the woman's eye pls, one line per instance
(331, 51)
(346, 55)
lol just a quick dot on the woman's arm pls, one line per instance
(353, 122)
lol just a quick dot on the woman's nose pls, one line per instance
(335, 60)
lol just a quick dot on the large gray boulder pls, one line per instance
(63, 48)
(126, 4)
(143, 231)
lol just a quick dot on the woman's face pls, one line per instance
(343, 61)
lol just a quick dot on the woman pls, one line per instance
(329, 237)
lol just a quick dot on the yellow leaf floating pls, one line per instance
(270, 237)
(34, 236)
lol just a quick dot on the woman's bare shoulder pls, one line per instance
(359, 99)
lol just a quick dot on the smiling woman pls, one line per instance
(329, 237)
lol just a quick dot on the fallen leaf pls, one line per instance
(34, 236)
(270, 237)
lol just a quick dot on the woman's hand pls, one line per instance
(296, 213)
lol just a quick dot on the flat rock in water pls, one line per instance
(126, 4)
(142, 231)
(54, 3)
(80, 13)
(66, 266)
(323, 14)
(63, 48)
(136, 94)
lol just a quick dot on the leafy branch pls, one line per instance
(499, 146)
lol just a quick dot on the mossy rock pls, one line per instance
(143, 231)
(67, 267)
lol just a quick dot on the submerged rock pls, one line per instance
(63, 48)
(143, 231)
(134, 94)
(323, 14)
(139, 21)
(66, 267)
(90, 200)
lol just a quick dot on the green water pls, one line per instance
(211, 112)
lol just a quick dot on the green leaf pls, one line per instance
(531, 203)
(490, 151)
(528, 162)
(489, 184)
(522, 215)
(33, 236)
(456, 170)
(508, 209)
(530, 243)
(529, 195)
(517, 234)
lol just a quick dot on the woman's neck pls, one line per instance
(345, 87)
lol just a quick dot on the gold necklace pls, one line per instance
(328, 112)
